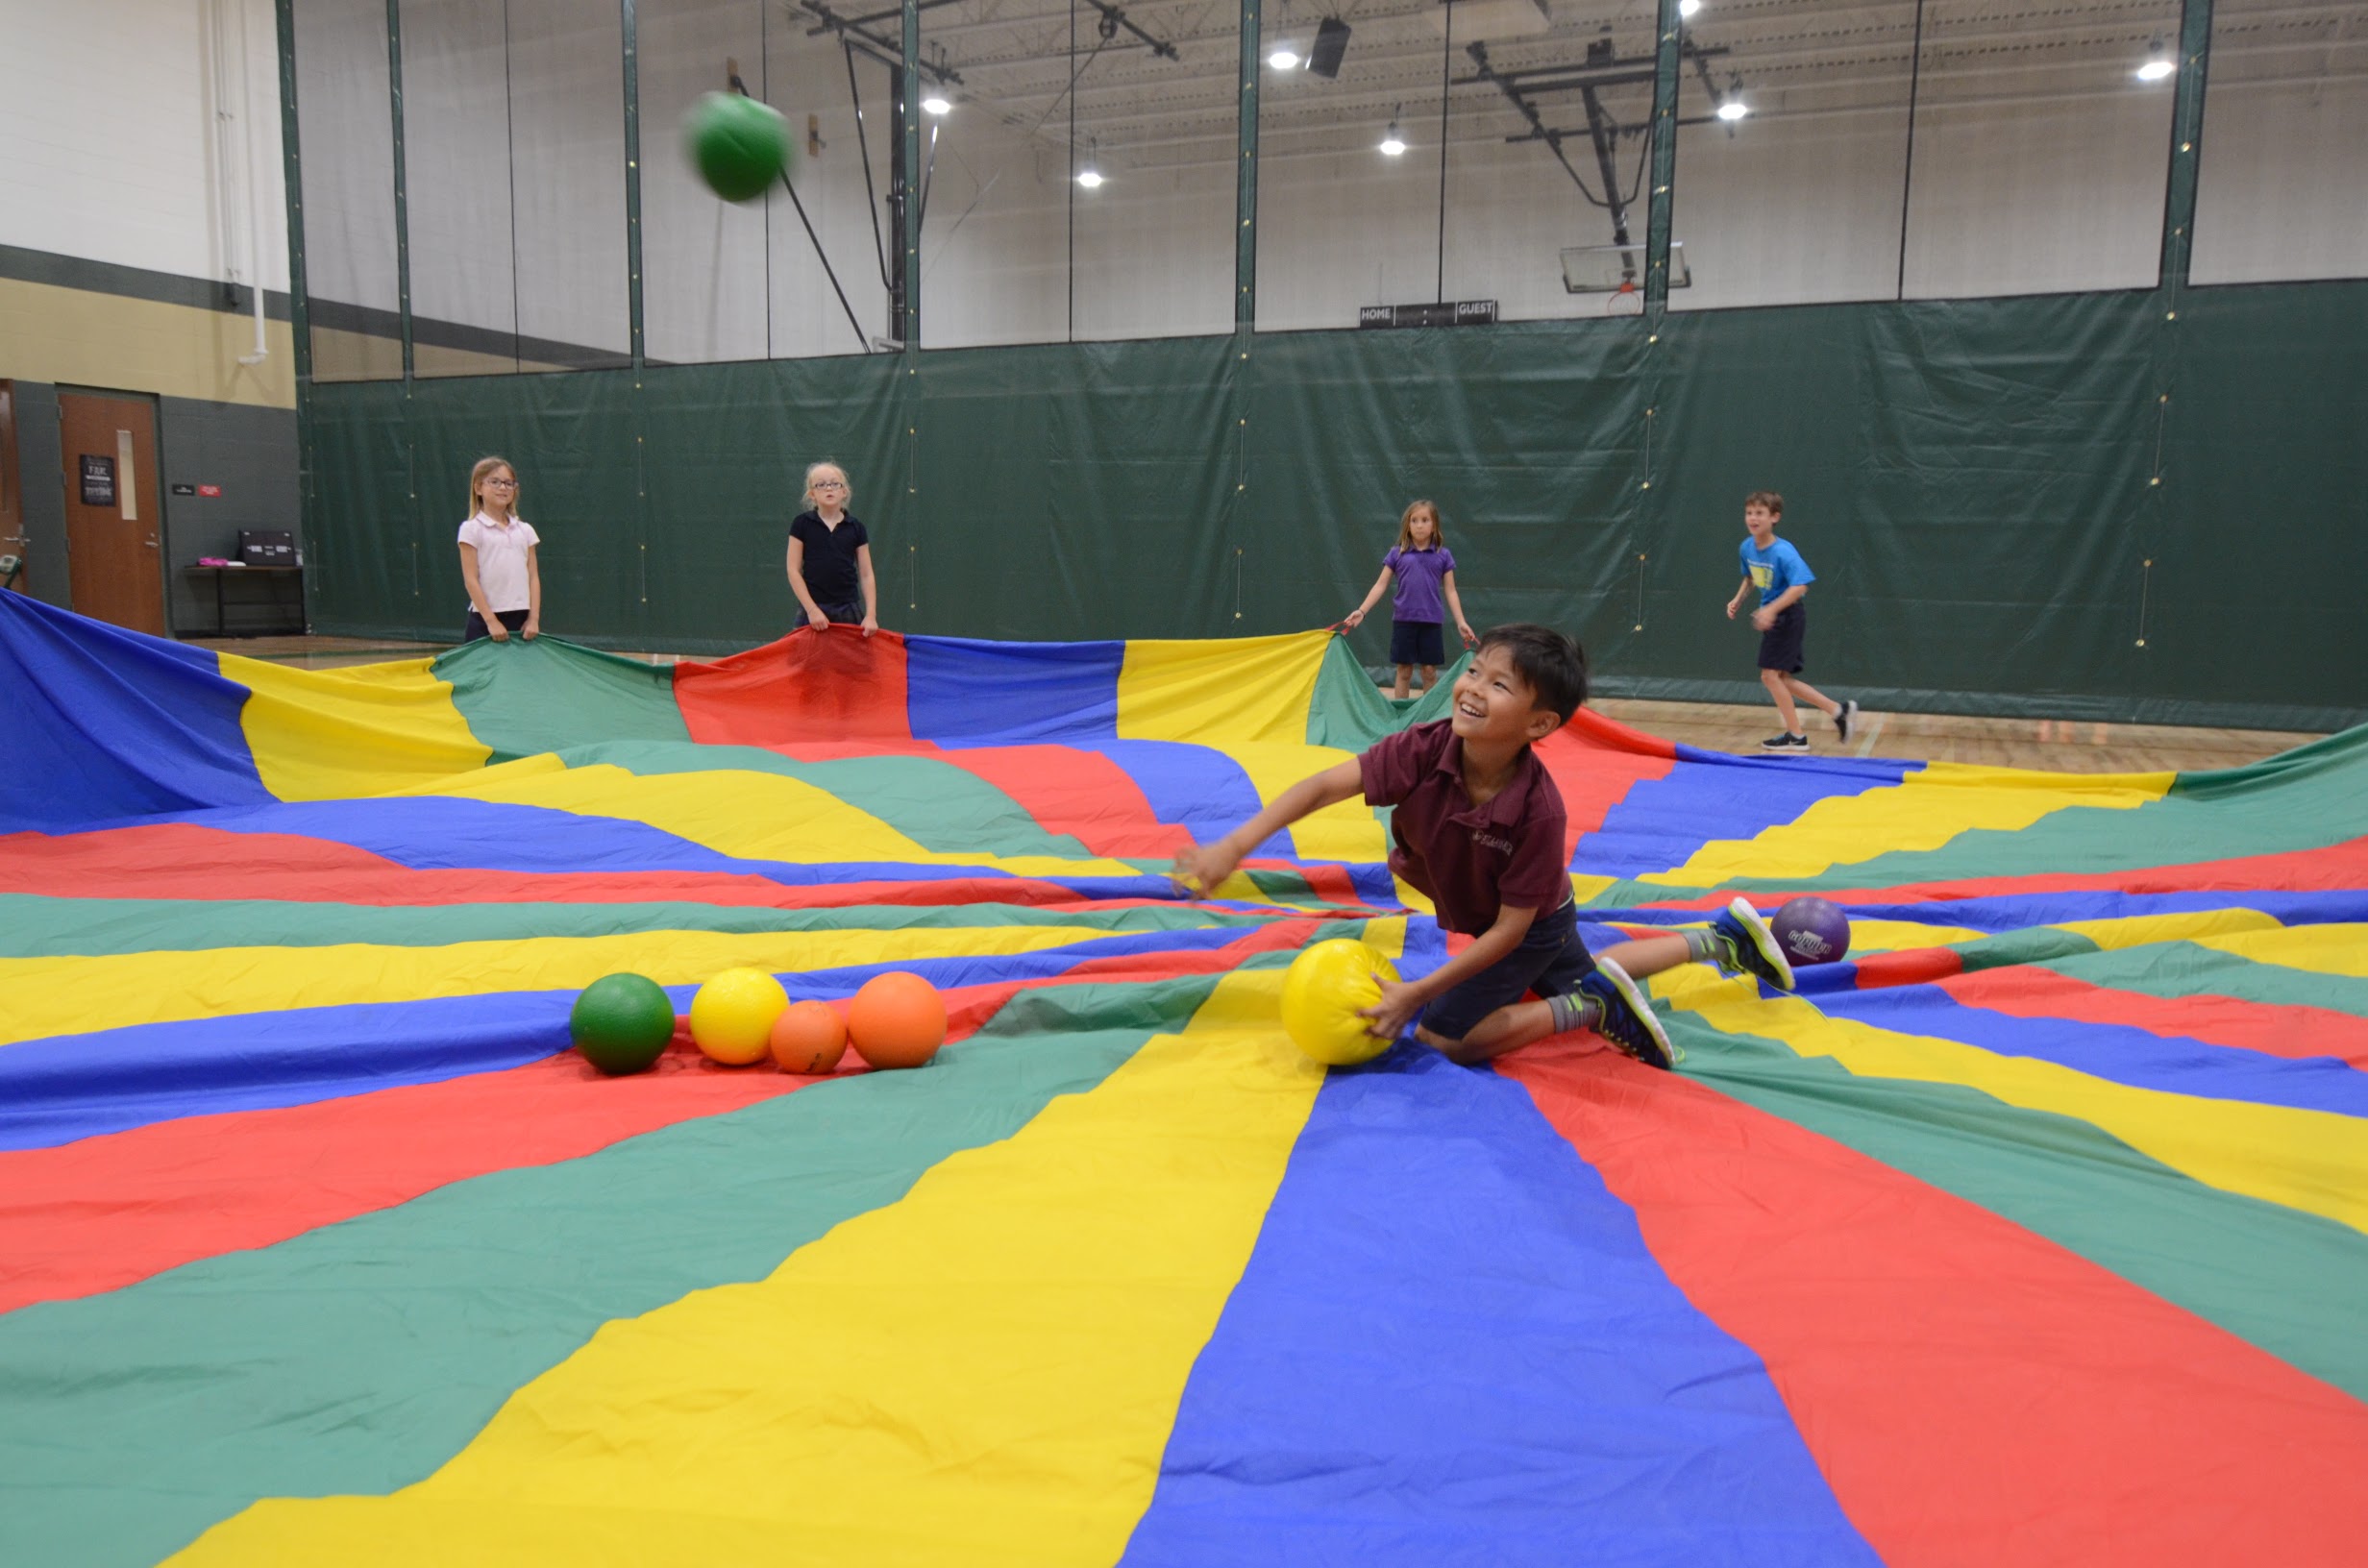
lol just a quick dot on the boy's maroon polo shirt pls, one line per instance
(1469, 859)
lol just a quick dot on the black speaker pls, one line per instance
(1323, 56)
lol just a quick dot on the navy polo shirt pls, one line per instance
(830, 564)
(1470, 860)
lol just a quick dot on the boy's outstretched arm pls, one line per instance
(1199, 870)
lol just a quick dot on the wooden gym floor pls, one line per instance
(2057, 744)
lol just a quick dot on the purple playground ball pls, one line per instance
(1811, 931)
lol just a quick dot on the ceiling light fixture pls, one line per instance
(2157, 66)
(936, 105)
(1733, 110)
(1392, 142)
(1284, 58)
(1686, 8)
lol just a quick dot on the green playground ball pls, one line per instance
(622, 1022)
(738, 145)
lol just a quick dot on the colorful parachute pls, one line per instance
(2032, 1234)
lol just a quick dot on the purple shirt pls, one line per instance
(1418, 573)
(1469, 859)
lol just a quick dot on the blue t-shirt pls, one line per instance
(1775, 568)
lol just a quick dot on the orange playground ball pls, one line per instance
(897, 1020)
(809, 1037)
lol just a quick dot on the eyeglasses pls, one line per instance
(505, 484)
(828, 484)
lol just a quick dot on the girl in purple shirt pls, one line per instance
(1425, 571)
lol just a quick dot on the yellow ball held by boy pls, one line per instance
(1324, 995)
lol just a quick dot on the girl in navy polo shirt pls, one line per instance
(830, 556)
(1425, 571)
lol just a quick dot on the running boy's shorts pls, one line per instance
(1779, 646)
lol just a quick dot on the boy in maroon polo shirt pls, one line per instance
(1478, 827)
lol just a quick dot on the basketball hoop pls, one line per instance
(1617, 272)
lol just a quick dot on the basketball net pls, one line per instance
(1613, 303)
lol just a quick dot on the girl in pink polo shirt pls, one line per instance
(497, 559)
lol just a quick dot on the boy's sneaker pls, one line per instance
(1786, 742)
(1628, 1022)
(1843, 720)
(1743, 945)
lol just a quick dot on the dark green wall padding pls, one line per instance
(2072, 506)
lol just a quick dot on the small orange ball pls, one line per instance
(897, 1020)
(809, 1037)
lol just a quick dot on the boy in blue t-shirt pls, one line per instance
(1772, 566)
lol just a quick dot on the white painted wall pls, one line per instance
(1153, 244)
(109, 146)
(2045, 181)
(345, 136)
(2283, 191)
(1791, 209)
(514, 168)
(1343, 225)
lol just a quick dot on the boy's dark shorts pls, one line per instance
(1779, 646)
(1551, 961)
(849, 614)
(1417, 642)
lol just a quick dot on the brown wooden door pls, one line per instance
(114, 526)
(11, 494)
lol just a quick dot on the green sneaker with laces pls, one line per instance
(1627, 1019)
(1742, 944)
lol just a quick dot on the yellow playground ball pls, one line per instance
(731, 1017)
(1323, 994)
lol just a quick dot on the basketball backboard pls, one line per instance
(1611, 269)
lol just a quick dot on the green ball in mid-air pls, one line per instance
(738, 145)
(622, 1022)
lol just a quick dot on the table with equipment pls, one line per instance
(291, 615)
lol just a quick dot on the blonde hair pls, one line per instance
(477, 483)
(811, 469)
(1406, 525)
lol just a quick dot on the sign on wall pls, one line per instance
(1449, 313)
(98, 479)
